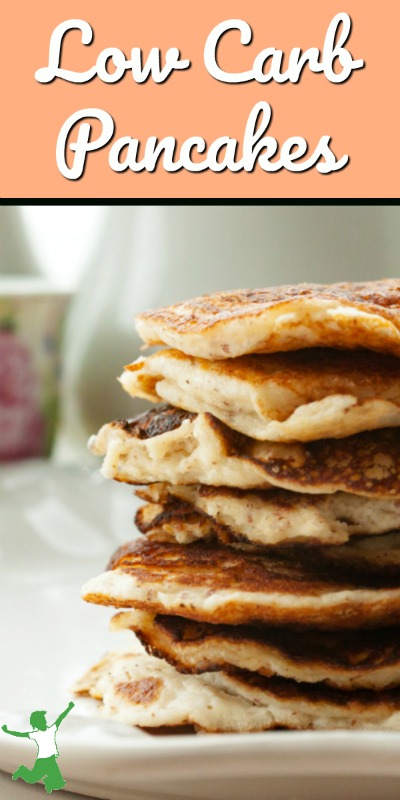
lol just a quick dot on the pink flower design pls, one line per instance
(21, 420)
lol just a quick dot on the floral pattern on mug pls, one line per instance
(22, 421)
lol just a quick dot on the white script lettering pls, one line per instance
(140, 71)
(333, 50)
(257, 149)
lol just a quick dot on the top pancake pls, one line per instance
(230, 324)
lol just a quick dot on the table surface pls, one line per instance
(18, 790)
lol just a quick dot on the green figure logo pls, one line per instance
(45, 766)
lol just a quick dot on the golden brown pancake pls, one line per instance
(141, 690)
(352, 586)
(281, 318)
(263, 518)
(345, 659)
(317, 706)
(176, 522)
(284, 397)
(168, 444)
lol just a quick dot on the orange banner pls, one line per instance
(223, 99)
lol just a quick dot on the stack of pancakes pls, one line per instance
(265, 589)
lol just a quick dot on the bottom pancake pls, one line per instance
(141, 690)
(346, 660)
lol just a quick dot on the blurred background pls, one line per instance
(120, 260)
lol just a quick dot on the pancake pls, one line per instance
(284, 397)
(352, 586)
(138, 689)
(168, 444)
(281, 318)
(176, 522)
(316, 706)
(261, 518)
(346, 660)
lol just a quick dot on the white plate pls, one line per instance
(58, 527)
